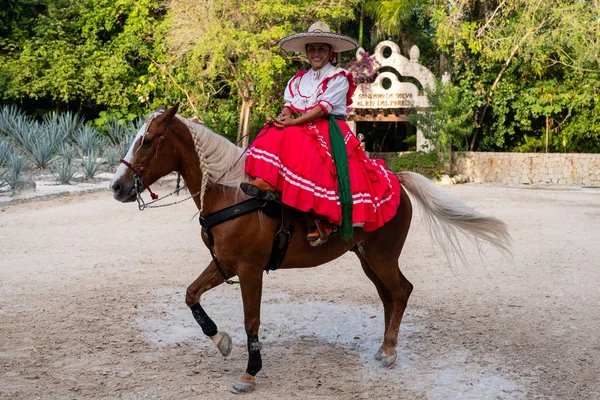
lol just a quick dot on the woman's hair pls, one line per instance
(307, 44)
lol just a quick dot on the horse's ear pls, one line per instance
(170, 113)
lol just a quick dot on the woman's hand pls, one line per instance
(284, 121)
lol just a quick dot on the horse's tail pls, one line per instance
(445, 216)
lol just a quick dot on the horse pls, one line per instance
(213, 167)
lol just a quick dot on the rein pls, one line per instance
(282, 236)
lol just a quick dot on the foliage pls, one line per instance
(90, 163)
(223, 53)
(39, 145)
(113, 155)
(527, 68)
(427, 164)
(450, 121)
(527, 72)
(64, 170)
(71, 52)
(88, 139)
(16, 167)
(5, 152)
(61, 126)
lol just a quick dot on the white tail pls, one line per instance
(445, 216)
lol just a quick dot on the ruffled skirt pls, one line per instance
(297, 161)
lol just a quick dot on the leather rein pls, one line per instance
(282, 237)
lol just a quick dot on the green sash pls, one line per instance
(340, 159)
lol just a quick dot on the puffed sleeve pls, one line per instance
(335, 94)
(288, 96)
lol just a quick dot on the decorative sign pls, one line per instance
(384, 100)
(388, 91)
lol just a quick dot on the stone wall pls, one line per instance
(529, 168)
(523, 168)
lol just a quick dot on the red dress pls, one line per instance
(297, 161)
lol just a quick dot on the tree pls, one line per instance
(507, 50)
(229, 47)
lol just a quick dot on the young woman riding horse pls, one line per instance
(213, 169)
(314, 160)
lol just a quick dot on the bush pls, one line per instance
(427, 164)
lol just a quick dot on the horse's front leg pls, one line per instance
(251, 286)
(208, 279)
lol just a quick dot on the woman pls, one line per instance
(311, 156)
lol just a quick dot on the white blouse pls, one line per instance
(326, 88)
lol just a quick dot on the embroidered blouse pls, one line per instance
(330, 88)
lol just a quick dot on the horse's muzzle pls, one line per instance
(123, 193)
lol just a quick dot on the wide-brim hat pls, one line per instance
(318, 32)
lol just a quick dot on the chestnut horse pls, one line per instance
(213, 168)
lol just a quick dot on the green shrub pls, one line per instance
(427, 164)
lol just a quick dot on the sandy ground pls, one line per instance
(91, 307)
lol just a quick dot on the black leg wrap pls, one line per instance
(208, 326)
(254, 359)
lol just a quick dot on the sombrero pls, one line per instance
(318, 32)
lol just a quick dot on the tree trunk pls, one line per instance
(547, 133)
(246, 128)
(361, 26)
(240, 134)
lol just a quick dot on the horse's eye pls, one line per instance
(146, 143)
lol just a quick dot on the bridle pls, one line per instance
(140, 183)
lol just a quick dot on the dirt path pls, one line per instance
(91, 307)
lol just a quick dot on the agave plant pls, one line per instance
(39, 145)
(90, 164)
(5, 152)
(126, 144)
(113, 155)
(115, 132)
(65, 170)
(60, 126)
(8, 115)
(18, 127)
(66, 151)
(88, 139)
(16, 167)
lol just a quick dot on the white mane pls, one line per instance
(220, 160)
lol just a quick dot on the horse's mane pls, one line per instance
(221, 161)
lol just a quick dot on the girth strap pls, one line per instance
(282, 237)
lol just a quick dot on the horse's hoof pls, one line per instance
(223, 342)
(388, 361)
(244, 385)
(379, 355)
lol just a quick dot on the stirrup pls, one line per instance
(322, 233)
(254, 191)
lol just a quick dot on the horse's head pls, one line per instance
(151, 156)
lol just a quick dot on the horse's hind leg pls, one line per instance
(380, 262)
(384, 294)
(208, 279)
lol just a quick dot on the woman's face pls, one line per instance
(318, 54)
